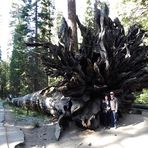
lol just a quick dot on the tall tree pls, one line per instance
(72, 18)
(134, 11)
(58, 20)
(89, 14)
(0, 54)
(4, 79)
(26, 70)
(43, 23)
(21, 23)
(45, 20)
(17, 64)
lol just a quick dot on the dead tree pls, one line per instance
(107, 60)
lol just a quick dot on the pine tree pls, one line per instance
(4, 79)
(26, 70)
(89, 14)
(45, 20)
(18, 61)
(21, 20)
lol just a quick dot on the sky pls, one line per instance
(61, 5)
(4, 26)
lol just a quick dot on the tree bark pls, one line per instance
(73, 25)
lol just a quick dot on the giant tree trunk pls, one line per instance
(108, 60)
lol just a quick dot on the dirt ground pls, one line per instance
(132, 131)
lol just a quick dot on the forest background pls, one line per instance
(31, 20)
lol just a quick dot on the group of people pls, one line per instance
(109, 107)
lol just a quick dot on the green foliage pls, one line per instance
(90, 11)
(45, 20)
(58, 20)
(89, 14)
(26, 70)
(4, 79)
(134, 11)
(36, 118)
(142, 97)
(142, 2)
(18, 59)
(54, 81)
(56, 27)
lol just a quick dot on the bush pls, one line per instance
(142, 97)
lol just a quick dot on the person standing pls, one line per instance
(106, 111)
(114, 109)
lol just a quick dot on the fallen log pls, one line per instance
(107, 60)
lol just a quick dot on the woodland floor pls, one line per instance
(132, 131)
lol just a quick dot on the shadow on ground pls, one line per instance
(132, 131)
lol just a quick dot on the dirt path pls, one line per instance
(10, 136)
(132, 131)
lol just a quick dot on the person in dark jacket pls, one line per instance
(106, 111)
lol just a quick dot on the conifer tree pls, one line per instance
(89, 14)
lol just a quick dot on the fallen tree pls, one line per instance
(108, 60)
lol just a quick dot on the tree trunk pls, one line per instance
(72, 18)
(108, 60)
(35, 80)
